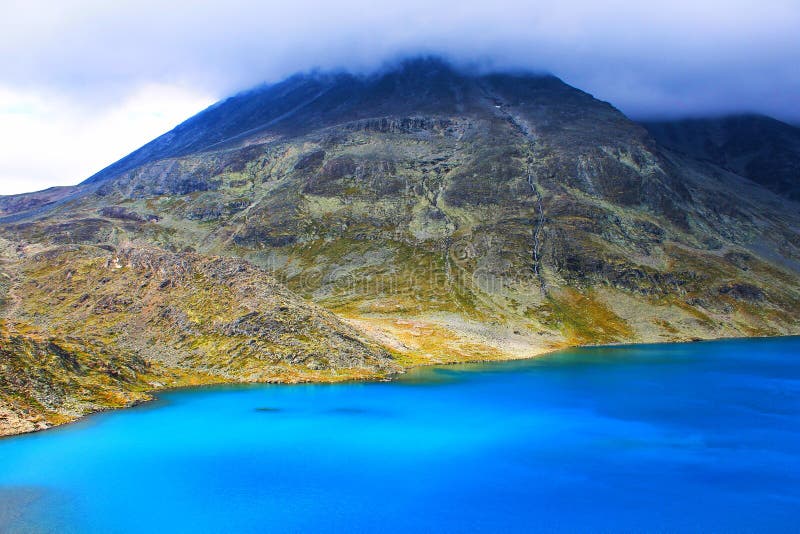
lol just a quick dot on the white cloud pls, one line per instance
(49, 140)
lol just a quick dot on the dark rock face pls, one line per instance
(368, 177)
(762, 149)
(123, 214)
(311, 161)
(746, 292)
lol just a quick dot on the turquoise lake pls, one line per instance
(656, 438)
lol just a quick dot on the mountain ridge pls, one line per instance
(758, 147)
(301, 91)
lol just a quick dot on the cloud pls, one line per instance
(47, 141)
(655, 58)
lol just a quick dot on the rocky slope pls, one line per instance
(46, 381)
(92, 328)
(447, 216)
(28, 202)
(762, 149)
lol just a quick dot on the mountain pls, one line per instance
(421, 214)
(762, 149)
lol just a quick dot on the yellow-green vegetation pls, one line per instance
(46, 381)
(217, 315)
(584, 320)
(143, 319)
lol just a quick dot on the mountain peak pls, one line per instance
(416, 86)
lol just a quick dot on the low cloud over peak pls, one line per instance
(650, 59)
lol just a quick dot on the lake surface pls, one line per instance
(694, 437)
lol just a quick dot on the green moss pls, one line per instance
(583, 319)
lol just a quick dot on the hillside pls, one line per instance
(762, 149)
(92, 328)
(440, 215)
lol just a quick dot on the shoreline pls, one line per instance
(153, 393)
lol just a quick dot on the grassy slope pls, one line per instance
(89, 329)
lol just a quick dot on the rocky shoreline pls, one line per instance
(14, 424)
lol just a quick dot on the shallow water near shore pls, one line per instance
(689, 437)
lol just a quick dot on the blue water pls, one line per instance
(694, 437)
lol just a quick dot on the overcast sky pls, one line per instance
(84, 82)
